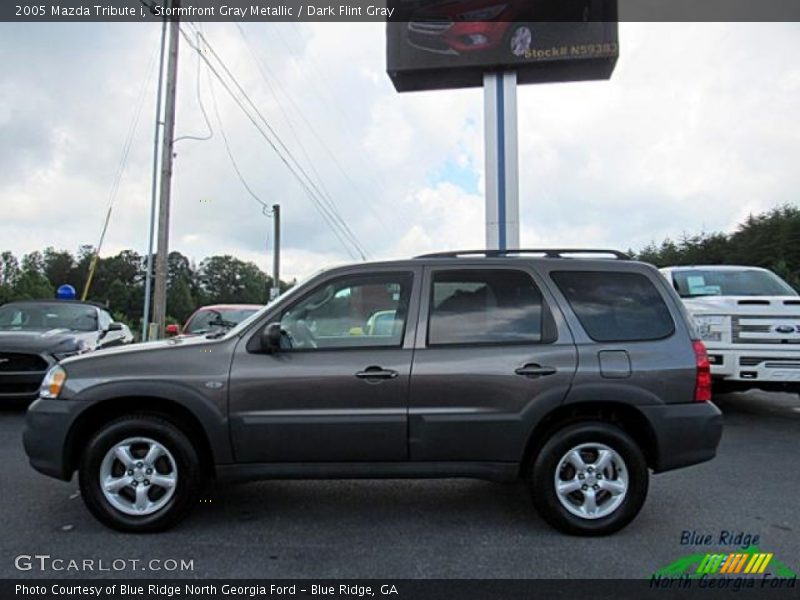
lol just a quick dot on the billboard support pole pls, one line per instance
(502, 161)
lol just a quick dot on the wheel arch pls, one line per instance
(626, 416)
(100, 413)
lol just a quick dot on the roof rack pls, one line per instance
(544, 252)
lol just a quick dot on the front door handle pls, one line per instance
(534, 371)
(376, 373)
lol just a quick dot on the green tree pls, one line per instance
(58, 265)
(32, 283)
(180, 303)
(226, 279)
(9, 274)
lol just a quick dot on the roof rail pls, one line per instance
(544, 252)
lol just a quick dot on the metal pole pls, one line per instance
(148, 281)
(276, 252)
(502, 162)
(160, 294)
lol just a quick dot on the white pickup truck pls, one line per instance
(749, 319)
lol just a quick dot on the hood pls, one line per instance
(744, 305)
(132, 349)
(39, 341)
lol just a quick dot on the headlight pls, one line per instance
(53, 382)
(484, 14)
(712, 328)
(80, 348)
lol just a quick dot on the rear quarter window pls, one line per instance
(615, 306)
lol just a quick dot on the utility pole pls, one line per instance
(162, 252)
(276, 252)
(148, 282)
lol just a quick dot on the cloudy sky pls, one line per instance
(698, 127)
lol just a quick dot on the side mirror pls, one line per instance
(271, 338)
(172, 330)
(115, 326)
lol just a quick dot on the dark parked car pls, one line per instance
(36, 334)
(576, 374)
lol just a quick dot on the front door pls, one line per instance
(338, 390)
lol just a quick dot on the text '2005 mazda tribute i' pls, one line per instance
(574, 370)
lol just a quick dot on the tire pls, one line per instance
(140, 505)
(517, 41)
(623, 467)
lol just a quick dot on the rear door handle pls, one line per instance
(377, 373)
(534, 371)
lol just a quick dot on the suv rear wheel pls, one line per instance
(590, 478)
(139, 473)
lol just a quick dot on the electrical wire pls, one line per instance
(329, 215)
(323, 84)
(202, 110)
(226, 143)
(123, 162)
(283, 159)
(321, 197)
(262, 67)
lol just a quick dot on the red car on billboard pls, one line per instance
(456, 27)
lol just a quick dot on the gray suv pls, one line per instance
(574, 370)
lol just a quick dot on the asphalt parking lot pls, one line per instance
(423, 528)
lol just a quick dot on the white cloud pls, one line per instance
(697, 127)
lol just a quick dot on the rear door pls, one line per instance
(492, 355)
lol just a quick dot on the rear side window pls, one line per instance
(616, 307)
(484, 307)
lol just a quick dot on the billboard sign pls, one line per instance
(442, 44)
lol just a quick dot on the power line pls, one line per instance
(123, 162)
(330, 206)
(262, 66)
(329, 214)
(226, 143)
(202, 110)
(323, 84)
(283, 159)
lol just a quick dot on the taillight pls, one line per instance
(702, 385)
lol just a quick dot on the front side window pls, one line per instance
(484, 307)
(616, 307)
(351, 312)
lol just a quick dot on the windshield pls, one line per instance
(226, 318)
(301, 285)
(730, 282)
(43, 317)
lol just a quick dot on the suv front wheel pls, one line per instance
(589, 478)
(139, 473)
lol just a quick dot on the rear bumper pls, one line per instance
(685, 434)
(44, 436)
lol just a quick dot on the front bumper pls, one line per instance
(455, 38)
(755, 364)
(44, 436)
(685, 434)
